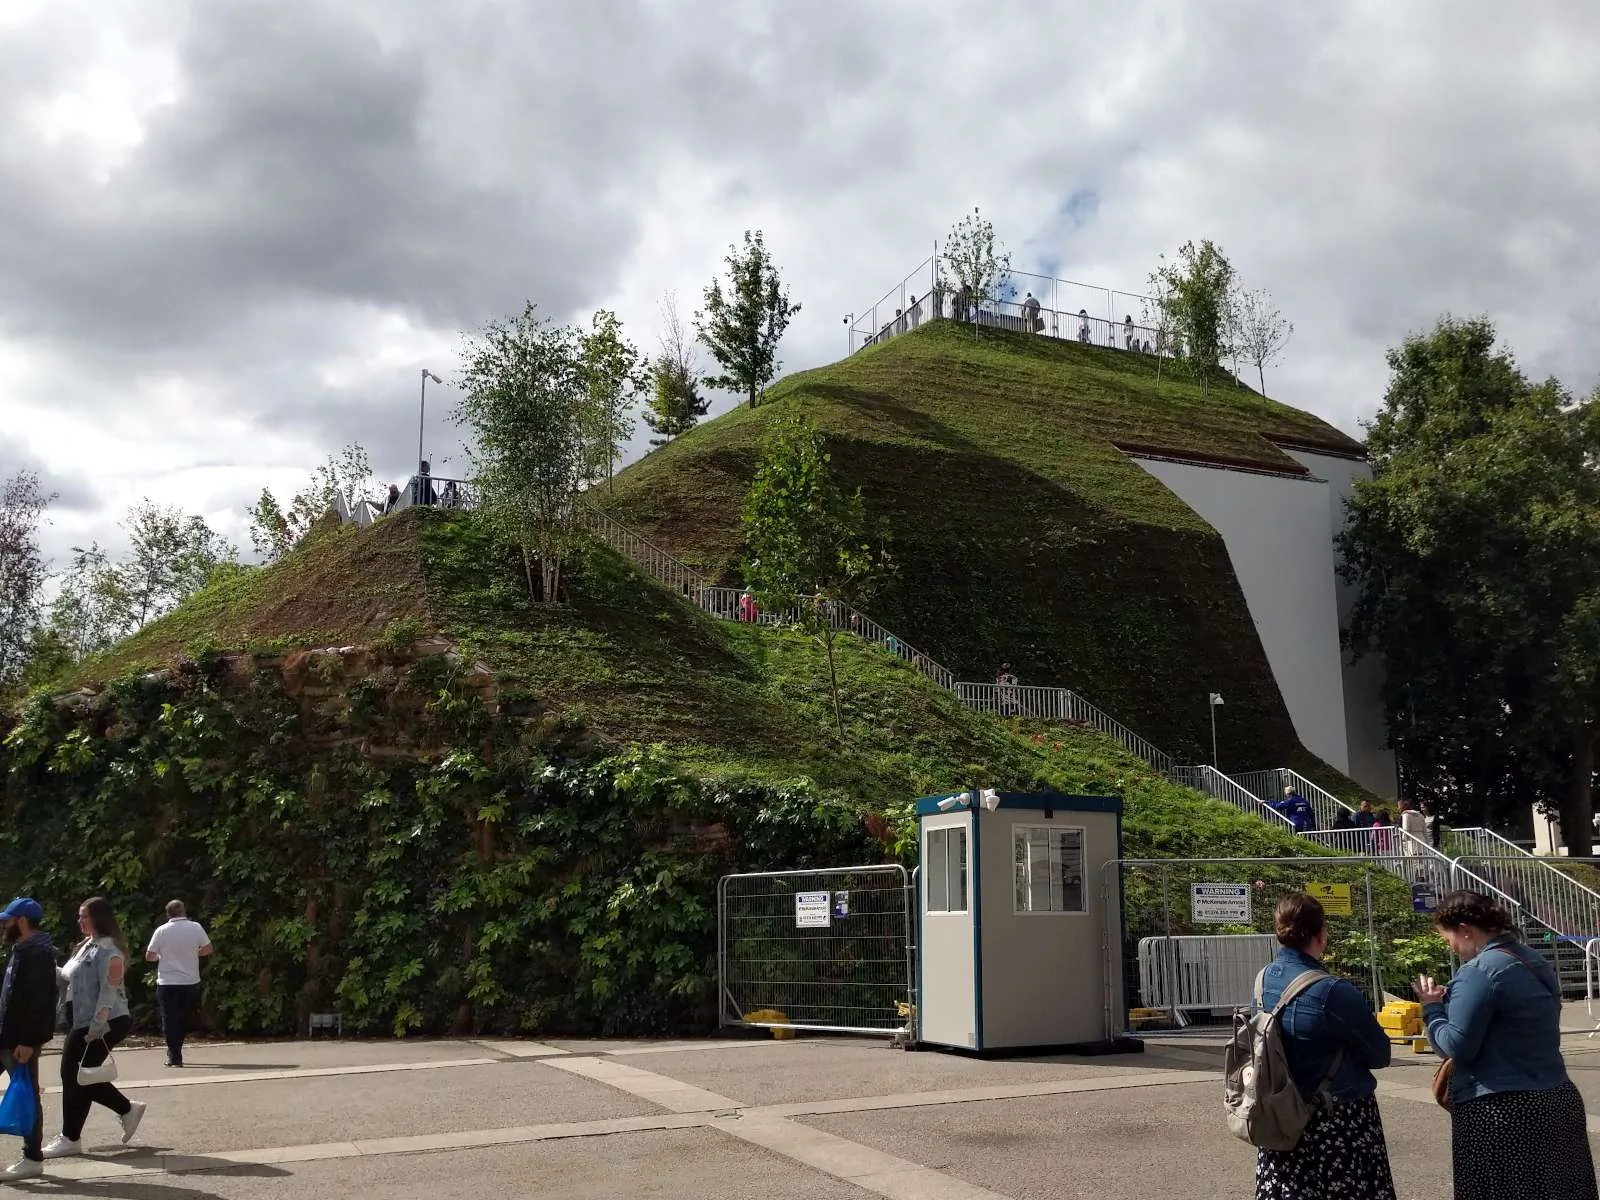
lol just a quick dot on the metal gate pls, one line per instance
(828, 950)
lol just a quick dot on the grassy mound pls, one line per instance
(1021, 530)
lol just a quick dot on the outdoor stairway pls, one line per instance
(1559, 915)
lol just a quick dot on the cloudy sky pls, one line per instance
(232, 232)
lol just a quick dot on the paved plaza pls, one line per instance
(810, 1118)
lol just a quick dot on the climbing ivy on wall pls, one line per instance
(384, 845)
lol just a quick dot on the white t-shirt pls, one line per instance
(179, 943)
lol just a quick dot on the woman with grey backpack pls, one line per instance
(100, 1019)
(1331, 1043)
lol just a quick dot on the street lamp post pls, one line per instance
(422, 408)
(1215, 703)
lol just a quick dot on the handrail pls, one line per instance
(1551, 896)
(1218, 786)
(1058, 704)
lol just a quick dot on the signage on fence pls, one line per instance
(811, 910)
(1423, 898)
(1335, 897)
(841, 905)
(1220, 903)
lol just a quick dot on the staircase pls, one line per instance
(1557, 913)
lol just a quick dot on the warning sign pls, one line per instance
(811, 910)
(1220, 903)
(1335, 897)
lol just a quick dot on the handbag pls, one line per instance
(1446, 1070)
(105, 1072)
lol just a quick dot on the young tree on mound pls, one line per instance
(742, 328)
(808, 539)
(526, 399)
(1197, 291)
(978, 265)
(1260, 331)
(1477, 549)
(22, 571)
(612, 375)
(674, 405)
(276, 528)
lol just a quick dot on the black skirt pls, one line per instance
(1342, 1153)
(1516, 1145)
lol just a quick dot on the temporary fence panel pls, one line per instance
(828, 949)
(1197, 931)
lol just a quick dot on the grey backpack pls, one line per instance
(1265, 1108)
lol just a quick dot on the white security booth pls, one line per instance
(1012, 948)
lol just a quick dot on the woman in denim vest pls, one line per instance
(100, 1020)
(1517, 1126)
(1333, 1044)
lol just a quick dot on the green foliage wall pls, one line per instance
(386, 846)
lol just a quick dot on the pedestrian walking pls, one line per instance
(177, 948)
(27, 1016)
(1518, 1130)
(97, 990)
(1332, 1043)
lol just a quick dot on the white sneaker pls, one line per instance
(62, 1146)
(23, 1168)
(131, 1119)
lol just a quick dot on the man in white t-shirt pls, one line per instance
(177, 948)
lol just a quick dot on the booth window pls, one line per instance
(1050, 869)
(947, 870)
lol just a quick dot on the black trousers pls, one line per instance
(176, 1003)
(33, 1144)
(76, 1098)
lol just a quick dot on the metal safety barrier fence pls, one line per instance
(830, 950)
(1196, 931)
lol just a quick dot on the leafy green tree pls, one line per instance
(613, 377)
(977, 264)
(22, 571)
(743, 327)
(1197, 292)
(808, 539)
(674, 402)
(526, 399)
(1477, 549)
(346, 477)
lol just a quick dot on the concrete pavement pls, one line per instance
(813, 1118)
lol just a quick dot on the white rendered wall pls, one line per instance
(1371, 760)
(1276, 532)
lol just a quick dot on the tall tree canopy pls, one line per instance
(1477, 549)
(1196, 294)
(742, 326)
(22, 571)
(674, 402)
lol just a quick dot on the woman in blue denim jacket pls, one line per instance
(1333, 1043)
(1518, 1126)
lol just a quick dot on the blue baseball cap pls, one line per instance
(25, 908)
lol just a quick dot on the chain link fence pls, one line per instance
(829, 950)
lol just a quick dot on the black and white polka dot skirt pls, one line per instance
(1342, 1153)
(1523, 1146)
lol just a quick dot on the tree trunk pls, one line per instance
(833, 677)
(1577, 807)
(527, 574)
(1261, 374)
(752, 396)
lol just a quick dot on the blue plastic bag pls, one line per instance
(19, 1108)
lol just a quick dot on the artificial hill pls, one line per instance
(395, 787)
(1021, 530)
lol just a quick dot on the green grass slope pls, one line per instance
(627, 662)
(1021, 531)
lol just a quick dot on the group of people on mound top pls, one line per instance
(85, 993)
(1518, 1126)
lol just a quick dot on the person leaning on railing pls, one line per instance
(1518, 1130)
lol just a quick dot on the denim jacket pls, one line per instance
(92, 989)
(1501, 1023)
(1329, 1016)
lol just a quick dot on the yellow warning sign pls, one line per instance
(1334, 897)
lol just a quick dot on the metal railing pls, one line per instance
(657, 562)
(1544, 891)
(1218, 786)
(1058, 704)
(1269, 786)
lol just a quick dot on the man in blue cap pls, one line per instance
(27, 1015)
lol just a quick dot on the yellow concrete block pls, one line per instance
(767, 1016)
